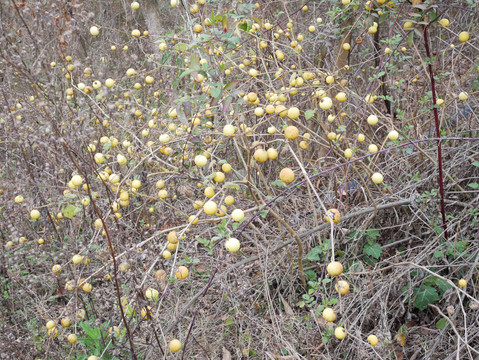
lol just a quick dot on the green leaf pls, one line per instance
(314, 254)
(230, 85)
(441, 324)
(181, 47)
(475, 163)
(215, 92)
(70, 211)
(425, 296)
(229, 321)
(442, 285)
(373, 249)
(230, 185)
(410, 38)
(438, 254)
(278, 183)
(372, 234)
(186, 72)
(473, 185)
(309, 114)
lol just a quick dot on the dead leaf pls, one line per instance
(226, 354)
(401, 339)
(287, 308)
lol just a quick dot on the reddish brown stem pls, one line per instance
(438, 133)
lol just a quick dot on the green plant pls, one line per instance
(95, 340)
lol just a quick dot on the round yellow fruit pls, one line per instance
(171, 247)
(175, 345)
(200, 160)
(172, 237)
(209, 192)
(181, 272)
(77, 180)
(109, 83)
(286, 175)
(333, 214)
(94, 31)
(35, 214)
(329, 314)
(325, 103)
(377, 178)
(50, 324)
(293, 113)
(166, 254)
(444, 22)
(259, 111)
(229, 200)
(146, 313)
(232, 245)
(463, 96)
(210, 207)
(272, 153)
(393, 135)
(72, 338)
(77, 259)
(462, 283)
(237, 215)
(341, 97)
(372, 120)
(342, 287)
(151, 293)
(260, 155)
(373, 340)
(340, 333)
(219, 177)
(136, 184)
(334, 268)
(373, 148)
(463, 36)
(226, 167)
(229, 130)
(291, 132)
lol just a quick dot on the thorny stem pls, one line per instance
(112, 251)
(438, 133)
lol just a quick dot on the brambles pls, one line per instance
(169, 174)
